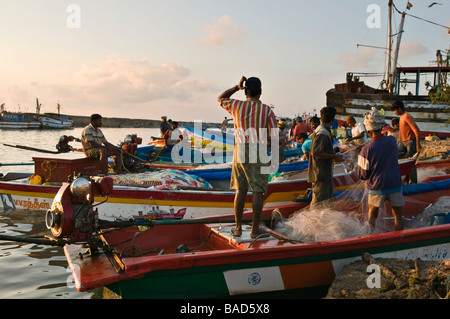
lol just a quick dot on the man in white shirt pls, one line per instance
(359, 134)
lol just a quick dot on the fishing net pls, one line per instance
(346, 215)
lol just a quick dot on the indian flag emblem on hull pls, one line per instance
(253, 280)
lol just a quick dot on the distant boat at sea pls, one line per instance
(52, 120)
(18, 120)
(355, 98)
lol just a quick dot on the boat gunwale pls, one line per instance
(233, 258)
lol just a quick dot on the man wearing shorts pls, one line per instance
(251, 119)
(378, 166)
(96, 146)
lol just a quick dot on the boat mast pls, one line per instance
(389, 48)
(397, 49)
(38, 106)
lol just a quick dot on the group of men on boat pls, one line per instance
(377, 160)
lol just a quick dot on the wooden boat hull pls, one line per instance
(126, 202)
(19, 125)
(233, 266)
(439, 164)
(431, 118)
(18, 121)
(49, 123)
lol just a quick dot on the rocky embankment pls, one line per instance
(82, 121)
(392, 278)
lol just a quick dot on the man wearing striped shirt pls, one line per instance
(253, 123)
(96, 146)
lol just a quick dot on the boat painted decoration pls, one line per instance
(128, 201)
(199, 199)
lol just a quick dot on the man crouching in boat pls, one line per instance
(378, 166)
(96, 146)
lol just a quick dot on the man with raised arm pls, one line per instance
(253, 123)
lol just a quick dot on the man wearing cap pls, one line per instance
(358, 132)
(301, 127)
(96, 146)
(253, 123)
(378, 166)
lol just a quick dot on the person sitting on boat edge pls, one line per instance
(247, 173)
(96, 146)
(378, 166)
(322, 155)
(171, 138)
(63, 143)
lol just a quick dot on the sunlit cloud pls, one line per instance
(223, 31)
(411, 48)
(362, 59)
(114, 86)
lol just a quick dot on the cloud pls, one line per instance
(118, 87)
(411, 48)
(124, 81)
(362, 59)
(224, 31)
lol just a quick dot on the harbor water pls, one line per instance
(31, 270)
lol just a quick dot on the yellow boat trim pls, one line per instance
(27, 194)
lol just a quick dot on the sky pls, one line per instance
(148, 58)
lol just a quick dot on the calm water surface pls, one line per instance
(30, 270)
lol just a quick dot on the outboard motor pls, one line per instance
(130, 144)
(72, 215)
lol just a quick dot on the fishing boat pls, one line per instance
(55, 121)
(355, 98)
(18, 120)
(200, 259)
(52, 120)
(137, 198)
(436, 164)
(204, 146)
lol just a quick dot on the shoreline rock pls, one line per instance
(398, 279)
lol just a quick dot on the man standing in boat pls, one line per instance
(96, 146)
(378, 166)
(252, 119)
(322, 155)
(409, 135)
